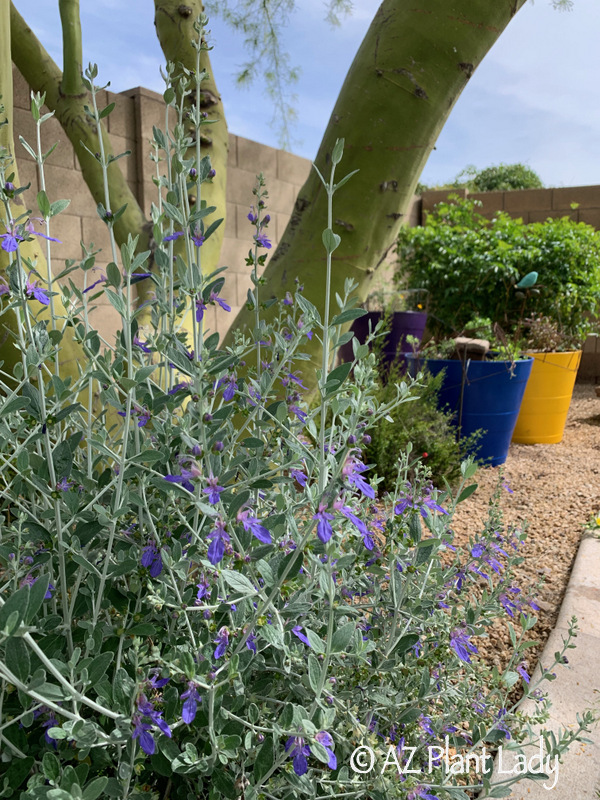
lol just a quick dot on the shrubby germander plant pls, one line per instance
(200, 594)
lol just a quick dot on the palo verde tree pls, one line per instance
(415, 60)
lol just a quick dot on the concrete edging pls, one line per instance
(577, 686)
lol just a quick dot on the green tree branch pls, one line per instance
(410, 69)
(72, 48)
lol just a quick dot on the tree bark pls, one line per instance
(414, 62)
(71, 353)
(42, 75)
(174, 24)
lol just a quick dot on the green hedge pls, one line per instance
(470, 265)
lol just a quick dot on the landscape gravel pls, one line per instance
(555, 491)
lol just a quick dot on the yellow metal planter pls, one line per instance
(547, 398)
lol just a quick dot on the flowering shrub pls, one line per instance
(203, 598)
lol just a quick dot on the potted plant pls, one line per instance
(403, 314)
(548, 394)
(483, 385)
(474, 265)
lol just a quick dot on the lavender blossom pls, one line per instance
(191, 700)
(222, 642)
(213, 490)
(219, 538)
(253, 525)
(297, 750)
(151, 559)
(262, 240)
(459, 642)
(324, 529)
(297, 631)
(326, 740)
(352, 472)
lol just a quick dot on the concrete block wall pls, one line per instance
(130, 128)
(80, 221)
(531, 205)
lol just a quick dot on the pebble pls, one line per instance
(556, 493)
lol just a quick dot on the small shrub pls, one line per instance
(420, 427)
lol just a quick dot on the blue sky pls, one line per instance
(534, 99)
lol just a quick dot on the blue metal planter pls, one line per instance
(483, 395)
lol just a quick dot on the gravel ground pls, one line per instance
(556, 489)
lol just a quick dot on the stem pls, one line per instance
(325, 359)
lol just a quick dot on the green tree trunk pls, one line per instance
(414, 62)
(71, 353)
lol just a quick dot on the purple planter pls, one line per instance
(402, 325)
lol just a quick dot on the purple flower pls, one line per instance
(219, 538)
(459, 642)
(4, 288)
(213, 490)
(222, 642)
(297, 751)
(425, 724)
(172, 236)
(152, 560)
(184, 478)
(231, 387)
(252, 216)
(34, 290)
(142, 414)
(262, 240)
(15, 234)
(422, 793)
(203, 590)
(155, 682)
(297, 631)
(422, 503)
(288, 299)
(64, 484)
(291, 377)
(198, 236)
(142, 345)
(501, 725)
(352, 471)
(251, 642)
(523, 673)
(301, 415)
(214, 298)
(361, 527)
(179, 387)
(11, 240)
(324, 529)
(93, 286)
(253, 525)
(143, 729)
(200, 308)
(191, 699)
(299, 476)
(326, 740)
